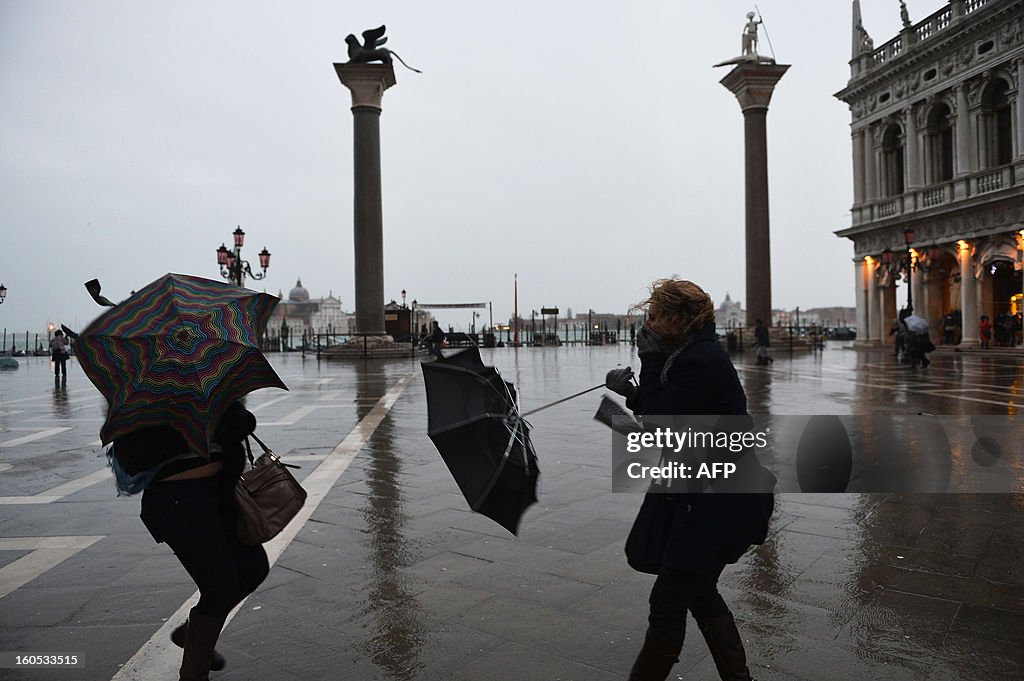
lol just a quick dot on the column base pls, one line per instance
(368, 347)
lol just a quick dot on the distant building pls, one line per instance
(938, 160)
(730, 314)
(304, 315)
(829, 317)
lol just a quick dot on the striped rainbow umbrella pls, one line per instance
(178, 353)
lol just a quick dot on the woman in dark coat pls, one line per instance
(685, 371)
(190, 505)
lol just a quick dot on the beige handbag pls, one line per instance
(267, 496)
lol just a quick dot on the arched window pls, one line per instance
(939, 141)
(892, 161)
(998, 123)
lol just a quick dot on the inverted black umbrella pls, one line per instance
(474, 422)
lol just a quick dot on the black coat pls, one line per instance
(709, 529)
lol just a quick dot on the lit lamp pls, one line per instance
(908, 238)
(232, 267)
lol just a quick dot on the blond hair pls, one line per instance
(681, 306)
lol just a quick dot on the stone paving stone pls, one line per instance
(981, 659)
(991, 623)
(530, 663)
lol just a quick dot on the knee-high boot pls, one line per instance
(200, 639)
(723, 639)
(217, 661)
(656, 657)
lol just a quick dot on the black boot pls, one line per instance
(200, 639)
(178, 636)
(656, 657)
(723, 639)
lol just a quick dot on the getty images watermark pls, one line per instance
(683, 447)
(885, 452)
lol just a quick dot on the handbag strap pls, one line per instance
(248, 452)
(266, 450)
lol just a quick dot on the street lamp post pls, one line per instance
(3, 293)
(233, 268)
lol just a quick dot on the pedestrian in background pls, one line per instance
(60, 350)
(984, 331)
(686, 371)
(437, 337)
(763, 341)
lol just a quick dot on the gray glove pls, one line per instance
(648, 342)
(620, 381)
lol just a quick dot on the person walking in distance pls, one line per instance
(437, 337)
(763, 341)
(60, 349)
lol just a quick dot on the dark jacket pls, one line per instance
(761, 335)
(709, 529)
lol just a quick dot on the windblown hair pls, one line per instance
(683, 306)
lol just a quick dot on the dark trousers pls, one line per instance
(676, 592)
(60, 365)
(196, 520)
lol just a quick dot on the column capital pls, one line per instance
(366, 82)
(753, 83)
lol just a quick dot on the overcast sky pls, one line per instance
(587, 146)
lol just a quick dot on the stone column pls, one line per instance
(1018, 119)
(913, 170)
(870, 166)
(367, 82)
(861, 271)
(963, 133)
(917, 289)
(858, 166)
(968, 298)
(874, 311)
(753, 84)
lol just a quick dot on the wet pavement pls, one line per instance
(392, 577)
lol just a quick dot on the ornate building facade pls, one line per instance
(938, 167)
(301, 314)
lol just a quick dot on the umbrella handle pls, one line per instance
(551, 404)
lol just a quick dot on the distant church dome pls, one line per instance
(298, 294)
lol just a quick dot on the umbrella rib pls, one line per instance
(497, 473)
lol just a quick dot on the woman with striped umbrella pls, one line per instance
(173, 362)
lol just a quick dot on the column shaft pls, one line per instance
(874, 312)
(963, 133)
(860, 290)
(759, 280)
(968, 299)
(369, 221)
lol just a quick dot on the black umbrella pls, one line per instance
(475, 425)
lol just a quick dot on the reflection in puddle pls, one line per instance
(397, 637)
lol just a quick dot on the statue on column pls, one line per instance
(750, 36)
(371, 49)
(748, 50)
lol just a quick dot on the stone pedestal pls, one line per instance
(368, 347)
(367, 83)
(753, 84)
